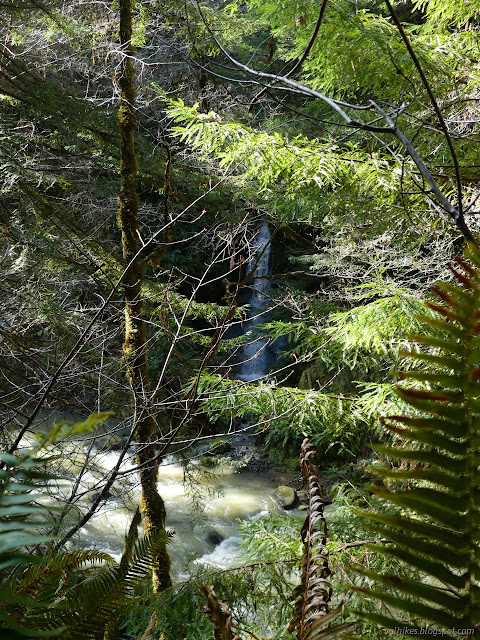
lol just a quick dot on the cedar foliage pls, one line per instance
(437, 481)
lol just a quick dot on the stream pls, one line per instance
(207, 536)
(205, 512)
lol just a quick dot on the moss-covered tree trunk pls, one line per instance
(152, 506)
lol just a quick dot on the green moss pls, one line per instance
(208, 461)
(283, 461)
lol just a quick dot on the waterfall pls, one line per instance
(256, 356)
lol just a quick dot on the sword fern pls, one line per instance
(436, 479)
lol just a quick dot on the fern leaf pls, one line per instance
(436, 530)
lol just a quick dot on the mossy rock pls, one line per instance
(282, 461)
(208, 461)
(285, 496)
(219, 448)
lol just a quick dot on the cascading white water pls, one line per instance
(228, 496)
(209, 537)
(255, 354)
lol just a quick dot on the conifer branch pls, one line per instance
(285, 83)
(298, 65)
(434, 102)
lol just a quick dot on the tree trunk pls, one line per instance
(152, 506)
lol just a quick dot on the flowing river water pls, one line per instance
(204, 513)
(205, 536)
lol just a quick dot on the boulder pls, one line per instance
(219, 447)
(214, 538)
(285, 496)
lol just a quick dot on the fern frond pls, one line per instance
(312, 619)
(40, 581)
(20, 483)
(30, 605)
(438, 481)
(104, 592)
(78, 592)
(144, 555)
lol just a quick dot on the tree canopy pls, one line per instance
(142, 147)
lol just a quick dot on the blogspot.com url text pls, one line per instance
(425, 631)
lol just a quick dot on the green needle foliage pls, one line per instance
(292, 173)
(436, 484)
